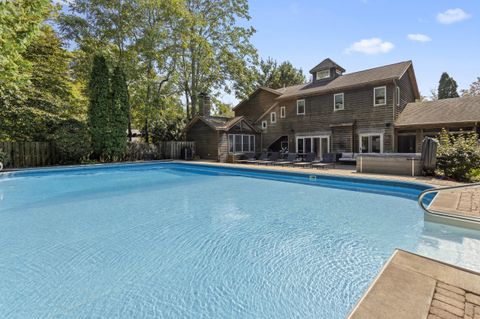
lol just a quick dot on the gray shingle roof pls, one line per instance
(456, 110)
(219, 123)
(379, 74)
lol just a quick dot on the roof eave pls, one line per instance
(435, 123)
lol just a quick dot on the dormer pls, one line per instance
(326, 70)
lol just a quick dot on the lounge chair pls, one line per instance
(327, 161)
(291, 159)
(309, 161)
(246, 158)
(272, 159)
(261, 158)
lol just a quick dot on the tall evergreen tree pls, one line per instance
(119, 114)
(99, 111)
(447, 87)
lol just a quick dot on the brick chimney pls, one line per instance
(204, 105)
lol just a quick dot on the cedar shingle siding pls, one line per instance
(206, 138)
(343, 127)
(321, 119)
(256, 105)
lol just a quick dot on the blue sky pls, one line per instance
(444, 35)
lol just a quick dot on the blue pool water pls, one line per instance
(170, 240)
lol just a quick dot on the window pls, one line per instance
(300, 107)
(264, 124)
(371, 143)
(231, 146)
(273, 117)
(380, 96)
(397, 90)
(338, 102)
(239, 143)
(283, 112)
(324, 74)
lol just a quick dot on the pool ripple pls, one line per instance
(161, 241)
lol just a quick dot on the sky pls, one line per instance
(437, 35)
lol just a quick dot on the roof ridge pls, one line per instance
(378, 67)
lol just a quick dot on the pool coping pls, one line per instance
(418, 287)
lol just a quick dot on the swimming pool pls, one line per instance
(168, 240)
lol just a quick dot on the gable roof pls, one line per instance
(350, 80)
(326, 64)
(219, 123)
(260, 88)
(446, 111)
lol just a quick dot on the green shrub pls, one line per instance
(474, 175)
(458, 155)
(72, 142)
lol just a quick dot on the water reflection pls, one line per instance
(450, 244)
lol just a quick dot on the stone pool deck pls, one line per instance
(465, 202)
(415, 287)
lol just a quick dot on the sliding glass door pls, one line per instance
(319, 145)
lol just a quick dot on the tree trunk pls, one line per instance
(146, 130)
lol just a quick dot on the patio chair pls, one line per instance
(262, 157)
(328, 160)
(272, 159)
(246, 158)
(291, 159)
(309, 160)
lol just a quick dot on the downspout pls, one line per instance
(395, 84)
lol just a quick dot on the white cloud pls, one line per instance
(371, 46)
(419, 37)
(452, 15)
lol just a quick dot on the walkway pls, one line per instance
(415, 287)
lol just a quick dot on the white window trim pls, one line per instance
(343, 102)
(378, 88)
(369, 134)
(235, 145)
(283, 112)
(304, 107)
(264, 125)
(397, 91)
(273, 117)
(325, 77)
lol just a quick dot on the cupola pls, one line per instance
(326, 70)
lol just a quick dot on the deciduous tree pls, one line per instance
(473, 90)
(216, 51)
(20, 22)
(270, 74)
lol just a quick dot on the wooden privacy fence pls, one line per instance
(173, 149)
(156, 151)
(35, 154)
(29, 154)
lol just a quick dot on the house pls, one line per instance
(337, 112)
(422, 119)
(369, 111)
(216, 137)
